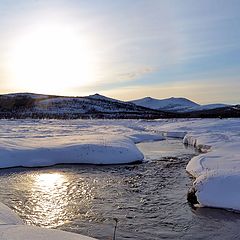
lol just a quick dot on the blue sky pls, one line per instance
(136, 48)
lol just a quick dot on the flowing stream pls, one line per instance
(148, 199)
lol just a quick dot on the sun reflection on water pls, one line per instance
(57, 198)
(52, 198)
(49, 191)
(49, 181)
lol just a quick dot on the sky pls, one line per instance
(122, 49)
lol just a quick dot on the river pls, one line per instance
(148, 199)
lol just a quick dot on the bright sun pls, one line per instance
(51, 58)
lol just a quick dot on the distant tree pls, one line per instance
(23, 102)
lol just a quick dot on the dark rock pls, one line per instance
(191, 196)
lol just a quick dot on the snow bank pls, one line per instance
(19, 232)
(224, 158)
(8, 217)
(219, 140)
(12, 228)
(97, 149)
(219, 189)
(217, 171)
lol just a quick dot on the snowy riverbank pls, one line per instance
(48, 142)
(217, 170)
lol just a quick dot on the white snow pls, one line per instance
(22, 232)
(48, 142)
(96, 149)
(217, 170)
(219, 189)
(32, 143)
(12, 228)
(8, 217)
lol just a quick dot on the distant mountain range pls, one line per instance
(30, 105)
(174, 104)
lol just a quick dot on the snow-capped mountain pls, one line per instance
(168, 104)
(175, 104)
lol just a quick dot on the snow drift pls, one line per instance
(32, 152)
(219, 189)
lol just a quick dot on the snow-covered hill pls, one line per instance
(104, 98)
(50, 106)
(30, 95)
(175, 104)
(30, 105)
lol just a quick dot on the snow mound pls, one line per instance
(226, 158)
(8, 217)
(19, 232)
(219, 189)
(97, 149)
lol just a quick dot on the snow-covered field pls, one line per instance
(48, 142)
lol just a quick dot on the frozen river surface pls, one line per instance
(148, 199)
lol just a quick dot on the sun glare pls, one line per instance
(48, 181)
(51, 58)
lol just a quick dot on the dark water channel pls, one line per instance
(149, 199)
